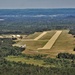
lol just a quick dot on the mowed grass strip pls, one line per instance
(51, 42)
(33, 36)
(64, 43)
(41, 35)
(48, 35)
(32, 45)
(27, 61)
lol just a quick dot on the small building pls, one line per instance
(18, 36)
(1, 36)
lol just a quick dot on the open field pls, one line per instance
(64, 43)
(50, 43)
(33, 36)
(41, 35)
(28, 61)
(31, 45)
(48, 35)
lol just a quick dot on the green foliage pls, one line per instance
(66, 56)
(61, 63)
(61, 66)
(13, 68)
(38, 56)
(31, 25)
(72, 31)
(6, 48)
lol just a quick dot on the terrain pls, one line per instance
(37, 41)
(62, 43)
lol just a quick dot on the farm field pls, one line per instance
(64, 43)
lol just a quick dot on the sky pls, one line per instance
(24, 4)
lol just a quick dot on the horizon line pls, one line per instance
(38, 8)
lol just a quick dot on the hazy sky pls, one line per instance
(36, 4)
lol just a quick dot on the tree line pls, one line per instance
(62, 66)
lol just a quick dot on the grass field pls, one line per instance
(33, 36)
(48, 35)
(52, 40)
(27, 61)
(64, 43)
(50, 62)
(41, 35)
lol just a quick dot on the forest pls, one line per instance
(64, 65)
(29, 25)
(26, 22)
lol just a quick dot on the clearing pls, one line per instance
(28, 61)
(41, 35)
(62, 43)
(52, 40)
